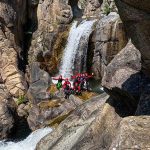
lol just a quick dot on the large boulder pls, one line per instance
(109, 40)
(133, 133)
(95, 125)
(125, 82)
(136, 18)
(122, 77)
(92, 125)
(39, 82)
(51, 112)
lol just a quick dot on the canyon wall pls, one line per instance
(33, 35)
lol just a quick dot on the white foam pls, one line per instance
(101, 88)
(27, 144)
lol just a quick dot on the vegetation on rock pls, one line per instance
(21, 100)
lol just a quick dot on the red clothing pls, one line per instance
(88, 76)
(57, 78)
(73, 77)
(66, 83)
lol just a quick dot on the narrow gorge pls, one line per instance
(107, 39)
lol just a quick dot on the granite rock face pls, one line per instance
(34, 33)
(110, 38)
(10, 36)
(51, 112)
(80, 129)
(6, 120)
(4, 94)
(48, 20)
(12, 80)
(96, 124)
(135, 17)
(93, 8)
(122, 76)
(133, 133)
(39, 82)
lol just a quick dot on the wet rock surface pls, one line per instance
(57, 16)
(51, 112)
(72, 130)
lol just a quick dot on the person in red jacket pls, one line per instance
(66, 83)
(67, 88)
(76, 83)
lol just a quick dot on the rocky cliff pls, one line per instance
(33, 36)
(116, 123)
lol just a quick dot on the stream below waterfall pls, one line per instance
(27, 144)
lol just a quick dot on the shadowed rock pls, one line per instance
(122, 77)
(136, 18)
(6, 120)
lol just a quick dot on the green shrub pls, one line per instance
(21, 100)
(107, 9)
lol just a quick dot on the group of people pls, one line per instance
(80, 83)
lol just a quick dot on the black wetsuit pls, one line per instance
(82, 80)
(67, 92)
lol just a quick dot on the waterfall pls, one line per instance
(27, 144)
(82, 31)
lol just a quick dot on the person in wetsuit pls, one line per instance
(67, 88)
(82, 81)
(76, 84)
(59, 83)
(87, 77)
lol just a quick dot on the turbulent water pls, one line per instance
(27, 144)
(83, 30)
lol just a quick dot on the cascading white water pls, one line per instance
(27, 144)
(83, 30)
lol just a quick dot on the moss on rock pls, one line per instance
(87, 95)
